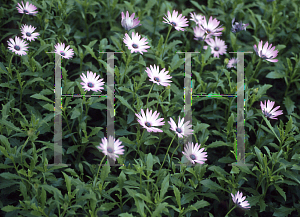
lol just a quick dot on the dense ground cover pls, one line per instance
(151, 129)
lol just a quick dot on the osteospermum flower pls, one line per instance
(27, 9)
(182, 129)
(193, 154)
(150, 120)
(109, 151)
(232, 63)
(238, 26)
(199, 34)
(198, 19)
(176, 22)
(135, 44)
(28, 34)
(267, 53)
(91, 82)
(211, 28)
(128, 22)
(160, 78)
(64, 52)
(239, 200)
(266, 109)
(18, 46)
(217, 46)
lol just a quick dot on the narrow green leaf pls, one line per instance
(124, 102)
(9, 208)
(164, 187)
(68, 182)
(104, 172)
(10, 125)
(43, 47)
(280, 191)
(39, 96)
(177, 196)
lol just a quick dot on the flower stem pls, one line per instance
(21, 21)
(170, 27)
(149, 95)
(166, 153)
(259, 129)
(9, 68)
(256, 68)
(173, 153)
(230, 211)
(100, 166)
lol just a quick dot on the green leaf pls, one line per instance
(7, 175)
(68, 182)
(275, 75)
(280, 191)
(164, 187)
(262, 90)
(43, 197)
(72, 148)
(159, 209)
(10, 125)
(200, 204)
(124, 102)
(40, 96)
(149, 161)
(125, 215)
(129, 6)
(233, 40)
(49, 107)
(212, 185)
(289, 105)
(283, 211)
(75, 113)
(218, 144)
(121, 180)
(230, 123)
(177, 195)
(104, 172)
(90, 50)
(23, 190)
(43, 47)
(9, 208)
(271, 128)
(107, 206)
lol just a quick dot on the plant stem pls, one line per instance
(230, 211)
(21, 21)
(9, 68)
(149, 95)
(170, 27)
(166, 153)
(174, 152)
(100, 166)
(259, 129)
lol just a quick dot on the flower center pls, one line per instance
(110, 150)
(267, 114)
(156, 79)
(90, 84)
(16, 47)
(178, 130)
(28, 34)
(129, 22)
(148, 124)
(216, 48)
(62, 53)
(25, 11)
(173, 23)
(134, 46)
(208, 31)
(200, 38)
(192, 156)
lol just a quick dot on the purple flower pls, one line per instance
(91, 82)
(212, 28)
(64, 52)
(150, 120)
(135, 44)
(238, 26)
(217, 46)
(232, 63)
(267, 53)
(112, 153)
(28, 34)
(239, 200)
(18, 46)
(193, 154)
(266, 109)
(176, 22)
(128, 22)
(160, 78)
(199, 34)
(198, 19)
(27, 9)
(182, 129)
